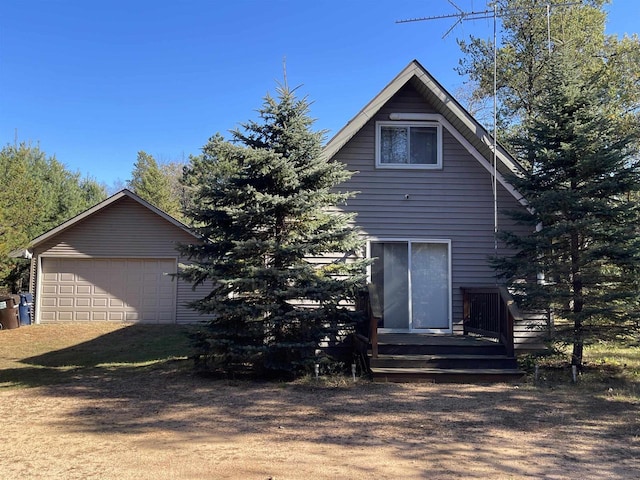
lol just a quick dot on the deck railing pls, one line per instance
(490, 312)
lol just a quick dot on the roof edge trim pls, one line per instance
(415, 69)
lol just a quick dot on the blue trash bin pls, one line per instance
(24, 309)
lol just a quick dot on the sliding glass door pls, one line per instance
(412, 281)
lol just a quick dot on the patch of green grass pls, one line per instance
(610, 368)
(617, 354)
(615, 365)
(137, 344)
(127, 350)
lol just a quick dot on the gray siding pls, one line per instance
(532, 331)
(454, 203)
(125, 229)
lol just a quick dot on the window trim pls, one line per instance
(409, 166)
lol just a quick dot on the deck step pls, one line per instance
(442, 359)
(399, 344)
(421, 357)
(446, 375)
(421, 349)
(452, 361)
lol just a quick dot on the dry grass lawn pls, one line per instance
(113, 402)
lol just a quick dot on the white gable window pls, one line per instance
(408, 145)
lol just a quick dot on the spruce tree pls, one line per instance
(583, 248)
(266, 206)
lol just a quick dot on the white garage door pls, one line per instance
(128, 290)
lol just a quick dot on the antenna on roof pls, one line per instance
(494, 14)
(461, 16)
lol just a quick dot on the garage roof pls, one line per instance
(101, 206)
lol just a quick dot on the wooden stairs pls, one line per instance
(433, 358)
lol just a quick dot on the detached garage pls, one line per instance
(114, 289)
(114, 262)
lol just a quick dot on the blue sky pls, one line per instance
(93, 82)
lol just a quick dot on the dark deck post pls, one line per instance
(466, 310)
(375, 315)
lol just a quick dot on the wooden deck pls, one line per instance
(433, 339)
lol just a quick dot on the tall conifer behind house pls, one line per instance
(584, 247)
(523, 50)
(265, 206)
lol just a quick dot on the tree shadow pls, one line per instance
(415, 422)
(128, 350)
(128, 383)
(134, 344)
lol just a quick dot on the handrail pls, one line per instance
(490, 311)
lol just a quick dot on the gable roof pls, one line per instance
(101, 206)
(466, 129)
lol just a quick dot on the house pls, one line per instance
(432, 190)
(113, 262)
(431, 195)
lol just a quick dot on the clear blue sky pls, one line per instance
(93, 82)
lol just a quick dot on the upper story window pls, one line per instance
(408, 145)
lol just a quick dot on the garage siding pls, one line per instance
(130, 237)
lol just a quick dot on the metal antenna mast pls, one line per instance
(461, 16)
(492, 13)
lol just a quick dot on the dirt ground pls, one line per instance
(157, 421)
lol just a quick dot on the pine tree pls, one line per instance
(150, 183)
(266, 205)
(584, 241)
(523, 52)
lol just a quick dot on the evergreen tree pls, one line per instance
(523, 53)
(174, 173)
(18, 206)
(584, 172)
(152, 184)
(38, 193)
(265, 203)
(63, 194)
